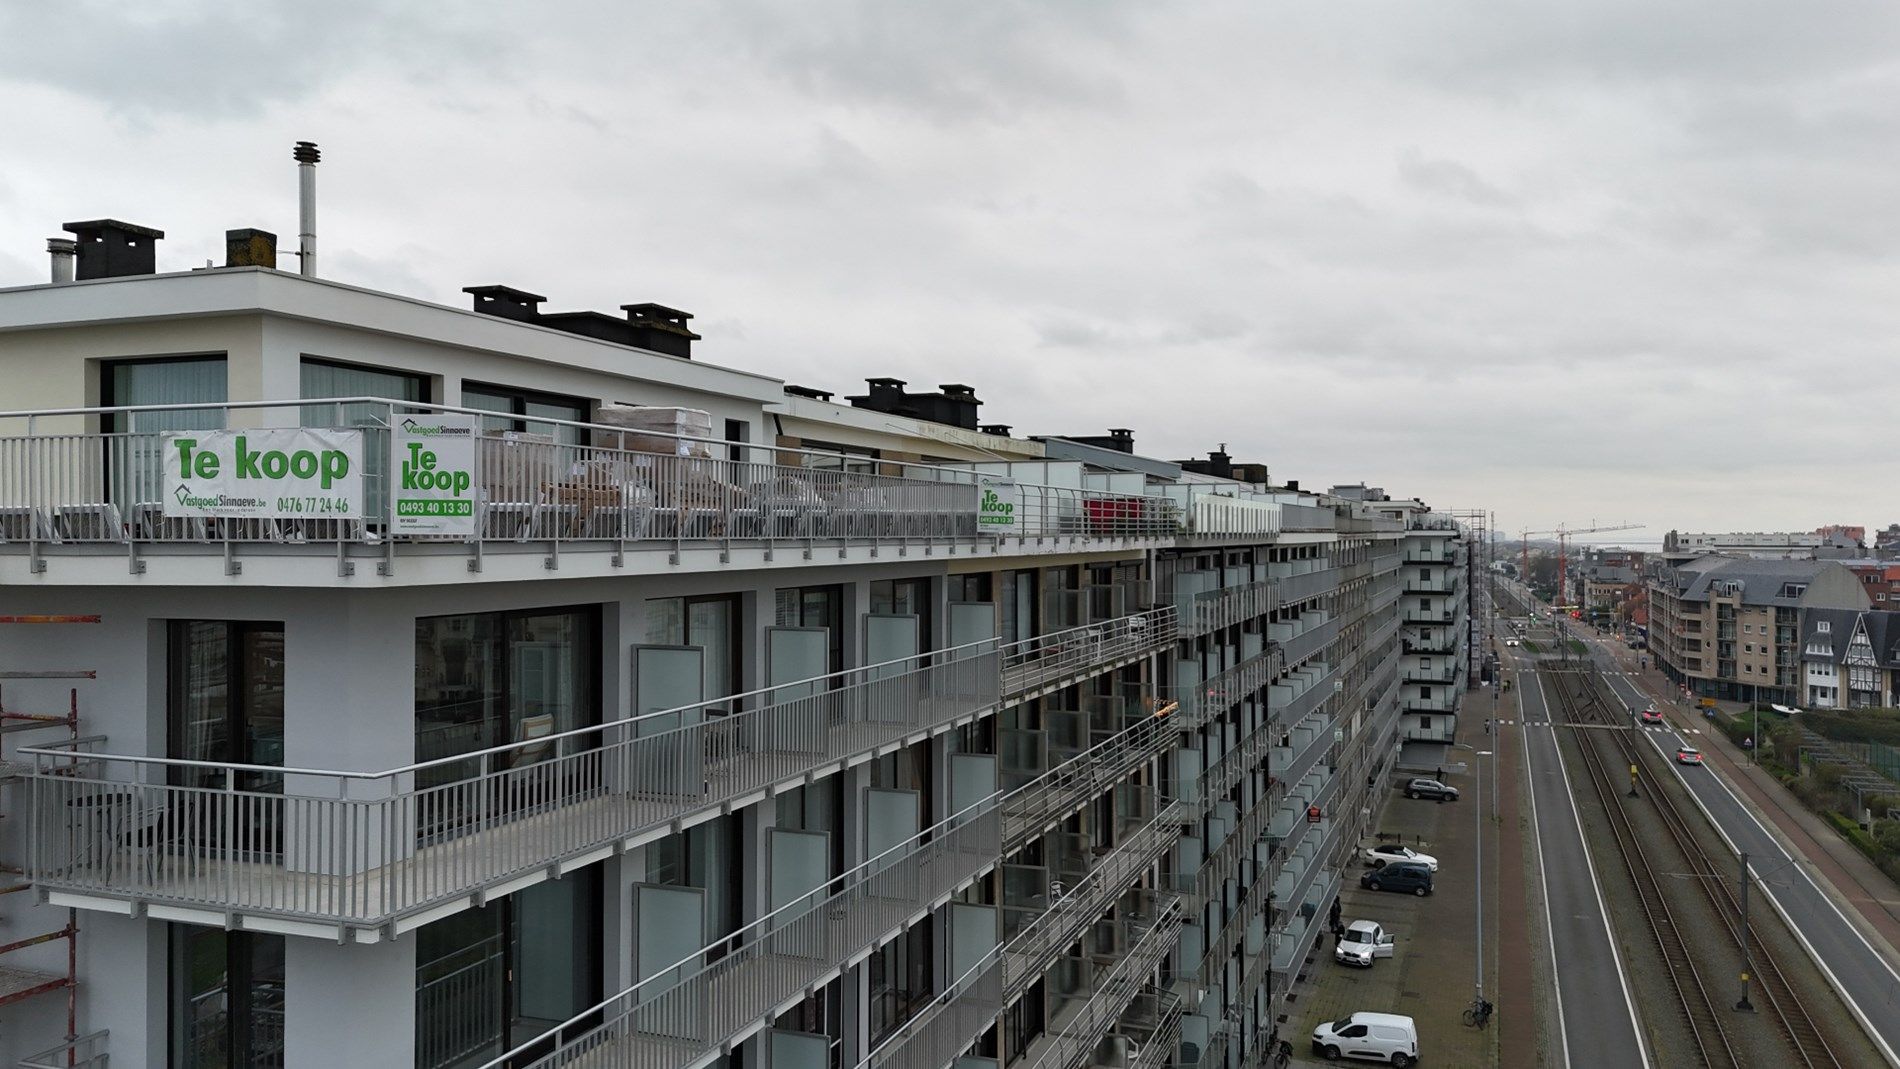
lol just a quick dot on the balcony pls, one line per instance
(1078, 1024)
(1030, 950)
(1448, 583)
(1430, 616)
(1309, 640)
(1074, 783)
(722, 994)
(365, 856)
(1445, 674)
(1286, 705)
(1211, 610)
(1441, 703)
(1298, 586)
(76, 496)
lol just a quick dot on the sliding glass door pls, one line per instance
(226, 999)
(492, 978)
(494, 679)
(225, 707)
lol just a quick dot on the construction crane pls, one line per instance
(1563, 533)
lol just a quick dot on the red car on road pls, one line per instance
(1652, 715)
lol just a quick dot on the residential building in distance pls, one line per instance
(1827, 543)
(1851, 658)
(518, 686)
(1731, 628)
(1881, 580)
(1605, 578)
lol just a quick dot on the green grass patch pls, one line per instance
(1532, 646)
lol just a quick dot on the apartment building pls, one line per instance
(1833, 542)
(1851, 659)
(1435, 636)
(1730, 628)
(392, 684)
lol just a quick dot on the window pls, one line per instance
(225, 701)
(1823, 627)
(815, 606)
(522, 410)
(1019, 605)
(972, 587)
(704, 856)
(493, 977)
(711, 623)
(489, 679)
(135, 471)
(1425, 723)
(900, 980)
(226, 995)
(905, 596)
(1425, 692)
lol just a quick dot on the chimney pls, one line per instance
(62, 250)
(506, 302)
(250, 248)
(661, 329)
(957, 406)
(1293, 485)
(306, 155)
(1001, 430)
(1121, 439)
(109, 248)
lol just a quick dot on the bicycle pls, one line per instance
(1478, 1014)
(1282, 1055)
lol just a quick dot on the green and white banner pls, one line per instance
(288, 473)
(996, 505)
(432, 489)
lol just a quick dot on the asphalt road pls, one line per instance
(1596, 1016)
(1869, 984)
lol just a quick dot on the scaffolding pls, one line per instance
(18, 983)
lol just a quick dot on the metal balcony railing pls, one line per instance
(1428, 616)
(1448, 583)
(941, 1031)
(362, 850)
(1437, 703)
(1227, 606)
(1070, 1045)
(61, 489)
(726, 989)
(1074, 783)
(1070, 915)
(1155, 1044)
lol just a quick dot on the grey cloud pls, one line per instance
(1449, 178)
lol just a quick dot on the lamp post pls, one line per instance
(1744, 1005)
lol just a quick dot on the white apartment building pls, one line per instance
(822, 736)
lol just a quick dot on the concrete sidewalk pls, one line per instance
(1431, 976)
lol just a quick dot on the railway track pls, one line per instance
(1699, 1009)
(1584, 700)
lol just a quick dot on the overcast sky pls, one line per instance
(1614, 260)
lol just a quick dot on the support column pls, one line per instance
(349, 1005)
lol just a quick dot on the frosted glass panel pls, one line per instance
(669, 927)
(798, 1050)
(890, 638)
(972, 779)
(972, 621)
(792, 655)
(667, 677)
(972, 936)
(799, 863)
(890, 818)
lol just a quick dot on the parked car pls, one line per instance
(1651, 715)
(1431, 788)
(1379, 1037)
(1688, 755)
(1399, 876)
(1362, 942)
(1387, 853)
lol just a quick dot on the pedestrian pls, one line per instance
(1441, 773)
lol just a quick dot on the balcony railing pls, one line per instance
(1227, 606)
(1033, 948)
(723, 991)
(1074, 783)
(74, 491)
(1445, 584)
(1074, 1039)
(938, 1033)
(360, 850)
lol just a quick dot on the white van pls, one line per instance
(1379, 1037)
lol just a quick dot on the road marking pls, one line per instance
(1563, 1037)
(1787, 918)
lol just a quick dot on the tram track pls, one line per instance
(1584, 705)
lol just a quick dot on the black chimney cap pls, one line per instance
(1001, 430)
(508, 293)
(660, 317)
(886, 381)
(92, 228)
(305, 152)
(809, 391)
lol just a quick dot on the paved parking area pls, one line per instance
(1431, 976)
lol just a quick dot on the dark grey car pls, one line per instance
(1399, 876)
(1431, 788)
